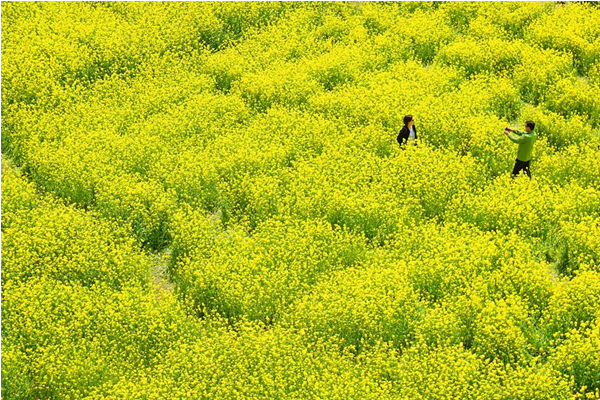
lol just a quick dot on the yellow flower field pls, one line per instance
(207, 200)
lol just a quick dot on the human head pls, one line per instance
(529, 125)
(408, 120)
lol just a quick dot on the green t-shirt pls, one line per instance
(525, 141)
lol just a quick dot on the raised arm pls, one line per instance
(517, 139)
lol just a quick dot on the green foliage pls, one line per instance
(259, 275)
(307, 255)
(360, 305)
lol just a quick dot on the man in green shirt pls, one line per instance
(525, 139)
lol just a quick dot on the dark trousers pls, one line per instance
(521, 165)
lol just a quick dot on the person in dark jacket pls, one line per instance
(408, 133)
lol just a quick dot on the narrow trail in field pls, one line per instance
(160, 262)
(159, 275)
(8, 164)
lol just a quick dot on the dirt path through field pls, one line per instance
(159, 274)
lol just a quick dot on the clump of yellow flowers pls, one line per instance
(253, 147)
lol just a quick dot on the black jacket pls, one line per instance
(404, 134)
